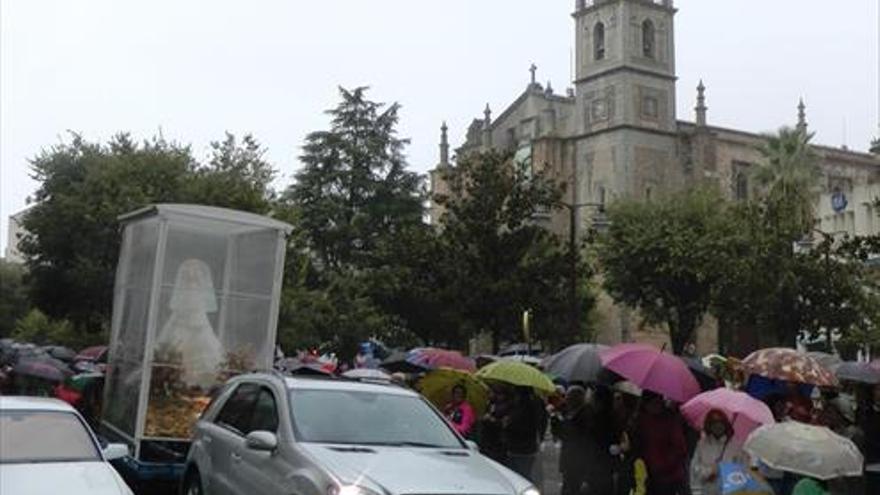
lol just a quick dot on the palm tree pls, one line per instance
(789, 178)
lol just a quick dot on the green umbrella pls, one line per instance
(517, 373)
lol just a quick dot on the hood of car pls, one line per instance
(417, 471)
(52, 478)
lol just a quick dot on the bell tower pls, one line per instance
(625, 96)
(625, 63)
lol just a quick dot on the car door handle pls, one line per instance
(236, 457)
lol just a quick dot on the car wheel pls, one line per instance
(193, 484)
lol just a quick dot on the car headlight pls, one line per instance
(530, 491)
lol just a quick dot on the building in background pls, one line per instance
(12, 253)
(616, 134)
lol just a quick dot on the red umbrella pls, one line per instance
(432, 358)
(652, 369)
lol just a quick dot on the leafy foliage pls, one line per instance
(37, 328)
(73, 234)
(502, 261)
(14, 301)
(663, 258)
(789, 176)
(354, 189)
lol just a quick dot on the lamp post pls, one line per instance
(599, 223)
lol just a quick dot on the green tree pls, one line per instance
(663, 258)
(354, 189)
(73, 235)
(789, 176)
(37, 328)
(501, 260)
(14, 301)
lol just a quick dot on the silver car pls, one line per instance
(269, 434)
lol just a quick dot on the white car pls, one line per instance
(47, 448)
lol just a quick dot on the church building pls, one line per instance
(616, 135)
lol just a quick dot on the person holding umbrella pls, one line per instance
(716, 445)
(663, 447)
(459, 411)
(571, 427)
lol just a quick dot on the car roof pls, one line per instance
(338, 384)
(346, 385)
(21, 403)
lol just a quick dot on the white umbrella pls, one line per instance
(808, 450)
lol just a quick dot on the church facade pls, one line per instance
(616, 135)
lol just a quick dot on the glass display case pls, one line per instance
(195, 302)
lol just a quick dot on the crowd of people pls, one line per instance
(620, 441)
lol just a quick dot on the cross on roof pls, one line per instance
(533, 69)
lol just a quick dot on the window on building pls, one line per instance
(650, 107)
(648, 38)
(599, 41)
(741, 186)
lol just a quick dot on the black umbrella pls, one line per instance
(59, 352)
(39, 369)
(705, 377)
(397, 363)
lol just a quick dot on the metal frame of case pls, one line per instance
(246, 249)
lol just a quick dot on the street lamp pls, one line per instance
(600, 223)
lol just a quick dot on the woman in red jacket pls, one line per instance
(663, 447)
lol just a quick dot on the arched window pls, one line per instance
(599, 41)
(648, 38)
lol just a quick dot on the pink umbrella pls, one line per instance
(744, 411)
(431, 358)
(652, 369)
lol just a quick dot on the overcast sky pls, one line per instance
(199, 68)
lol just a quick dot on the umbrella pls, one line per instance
(628, 388)
(704, 375)
(519, 374)
(39, 369)
(828, 361)
(94, 353)
(367, 374)
(484, 359)
(788, 365)
(808, 450)
(59, 352)
(743, 411)
(524, 358)
(651, 369)
(857, 372)
(576, 363)
(432, 358)
(397, 363)
(437, 387)
(295, 366)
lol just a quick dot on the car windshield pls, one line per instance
(44, 436)
(368, 418)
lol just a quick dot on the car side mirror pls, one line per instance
(261, 440)
(472, 445)
(113, 451)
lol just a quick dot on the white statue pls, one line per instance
(188, 330)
